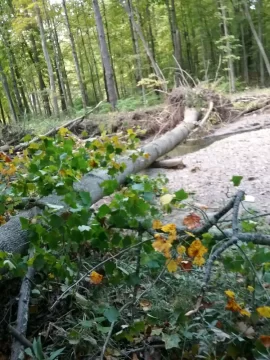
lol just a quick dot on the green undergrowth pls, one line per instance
(116, 277)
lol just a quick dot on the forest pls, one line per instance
(134, 176)
(57, 56)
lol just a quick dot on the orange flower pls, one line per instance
(233, 306)
(197, 249)
(265, 340)
(161, 245)
(95, 277)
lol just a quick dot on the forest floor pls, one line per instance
(208, 171)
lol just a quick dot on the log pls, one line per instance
(174, 163)
(15, 240)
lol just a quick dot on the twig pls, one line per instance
(111, 330)
(22, 339)
(94, 268)
(206, 116)
(22, 316)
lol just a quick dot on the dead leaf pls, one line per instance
(265, 340)
(135, 357)
(192, 221)
(246, 330)
(145, 304)
(186, 265)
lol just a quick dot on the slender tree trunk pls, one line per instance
(43, 90)
(109, 45)
(260, 31)
(136, 49)
(48, 61)
(105, 56)
(257, 39)
(3, 117)
(150, 31)
(90, 70)
(92, 53)
(244, 55)
(228, 48)
(8, 95)
(144, 42)
(176, 41)
(75, 57)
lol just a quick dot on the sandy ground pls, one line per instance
(208, 171)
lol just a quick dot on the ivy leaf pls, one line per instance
(180, 195)
(166, 199)
(85, 197)
(109, 186)
(171, 341)
(111, 314)
(236, 180)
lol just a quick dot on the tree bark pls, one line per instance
(42, 86)
(13, 239)
(47, 59)
(2, 112)
(75, 57)
(4, 81)
(144, 42)
(260, 31)
(105, 56)
(228, 48)
(257, 39)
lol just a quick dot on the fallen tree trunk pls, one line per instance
(15, 240)
(174, 163)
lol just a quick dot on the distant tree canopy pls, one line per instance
(57, 55)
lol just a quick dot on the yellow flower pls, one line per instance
(250, 288)
(161, 244)
(157, 224)
(199, 261)
(181, 249)
(245, 312)
(172, 236)
(169, 228)
(230, 294)
(264, 311)
(171, 265)
(51, 276)
(197, 249)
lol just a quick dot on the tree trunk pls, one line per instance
(43, 90)
(260, 30)
(245, 61)
(136, 49)
(144, 42)
(14, 239)
(228, 48)
(48, 60)
(2, 112)
(8, 95)
(90, 70)
(176, 42)
(105, 56)
(257, 39)
(109, 45)
(75, 57)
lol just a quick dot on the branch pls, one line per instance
(22, 316)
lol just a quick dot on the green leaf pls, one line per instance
(103, 211)
(86, 324)
(25, 223)
(111, 314)
(171, 341)
(109, 186)
(236, 180)
(180, 195)
(86, 198)
(56, 353)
